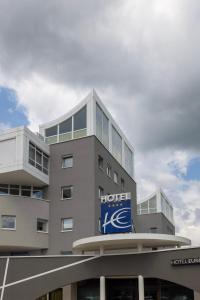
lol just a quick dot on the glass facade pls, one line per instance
(21, 190)
(156, 204)
(102, 126)
(128, 160)
(38, 159)
(127, 289)
(116, 145)
(72, 128)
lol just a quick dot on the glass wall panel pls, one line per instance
(99, 122)
(65, 126)
(128, 160)
(116, 145)
(51, 131)
(80, 119)
(102, 126)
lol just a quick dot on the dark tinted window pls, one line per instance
(80, 119)
(65, 126)
(51, 131)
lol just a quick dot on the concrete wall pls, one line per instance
(25, 237)
(108, 184)
(81, 206)
(86, 177)
(157, 220)
(155, 264)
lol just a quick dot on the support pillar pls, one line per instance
(141, 287)
(102, 288)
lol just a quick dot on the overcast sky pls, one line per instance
(142, 57)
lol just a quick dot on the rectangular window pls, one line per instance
(65, 126)
(3, 189)
(101, 192)
(115, 177)
(67, 224)
(8, 222)
(122, 185)
(37, 193)
(26, 191)
(14, 190)
(67, 162)
(80, 119)
(51, 131)
(116, 145)
(67, 192)
(38, 158)
(42, 225)
(108, 170)
(102, 126)
(128, 160)
(100, 162)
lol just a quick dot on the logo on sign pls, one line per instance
(116, 213)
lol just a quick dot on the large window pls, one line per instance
(74, 127)
(65, 130)
(8, 222)
(102, 126)
(128, 160)
(80, 119)
(116, 145)
(38, 158)
(24, 190)
(67, 224)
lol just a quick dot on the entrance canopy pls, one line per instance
(129, 241)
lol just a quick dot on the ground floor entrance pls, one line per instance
(127, 289)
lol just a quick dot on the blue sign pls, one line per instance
(116, 213)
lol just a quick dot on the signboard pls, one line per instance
(116, 213)
(185, 261)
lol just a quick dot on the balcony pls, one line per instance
(23, 158)
(23, 233)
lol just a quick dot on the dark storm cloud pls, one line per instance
(149, 61)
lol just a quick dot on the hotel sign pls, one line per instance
(185, 261)
(116, 213)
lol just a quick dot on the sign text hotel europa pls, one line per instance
(185, 261)
(116, 213)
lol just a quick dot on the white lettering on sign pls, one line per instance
(116, 197)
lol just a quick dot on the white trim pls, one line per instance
(4, 279)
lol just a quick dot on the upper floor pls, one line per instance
(24, 158)
(90, 117)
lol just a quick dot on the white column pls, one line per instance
(141, 287)
(102, 288)
(139, 247)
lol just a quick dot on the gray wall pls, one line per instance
(155, 264)
(25, 237)
(86, 177)
(108, 184)
(156, 220)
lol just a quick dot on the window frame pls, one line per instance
(65, 187)
(62, 223)
(100, 159)
(66, 157)
(7, 228)
(46, 222)
(116, 177)
(109, 171)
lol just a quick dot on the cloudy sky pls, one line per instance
(141, 56)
